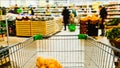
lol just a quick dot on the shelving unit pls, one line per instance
(113, 10)
(31, 28)
(61, 2)
(84, 10)
(23, 28)
(45, 28)
(41, 11)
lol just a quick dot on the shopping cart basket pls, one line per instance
(72, 51)
(101, 55)
(19, 55)
(65, 49)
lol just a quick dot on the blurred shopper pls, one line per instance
(66, 16)
(31, 11)
(15, 9)
(74, 11)
(3, 11)
(11, 9)
(103, 16)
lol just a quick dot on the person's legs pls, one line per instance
(65, 23)
(102, 27)
(102, 32)
(64, 26)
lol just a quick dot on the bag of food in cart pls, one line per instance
(47, 63)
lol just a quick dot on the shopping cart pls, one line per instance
(100, 55)
(19, 55)
(72, 51)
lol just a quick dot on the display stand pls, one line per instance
(31, 28)
(83, 27)
(88, 27)
(92, 28)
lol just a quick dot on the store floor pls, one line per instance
(14, 40)
(70, 52)
(99, 38)
(11, 40)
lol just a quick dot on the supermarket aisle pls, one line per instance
(14, 40)
(99, 38)
(68, 50)
(67, 32)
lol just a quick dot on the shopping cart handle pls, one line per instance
(82, 36)
(38, 37)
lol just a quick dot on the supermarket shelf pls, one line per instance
(113, 10)
(82, 13)
(46, 28)
(112, 4)
(83, 5)
(86, 10)
(85, 13)
(112, 17)
(110, 27)
(114, 13)
(44, 12)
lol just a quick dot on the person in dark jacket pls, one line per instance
(103, 16)
(66, 15)
(15, 9)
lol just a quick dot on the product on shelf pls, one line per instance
(113, 33)
(93, 18)
(113, 10)
(113, 36)
(19, 18)
(114, 21)
(84, 19)
(4, 55)
(89, 25)
(47, 63)
(33, 18)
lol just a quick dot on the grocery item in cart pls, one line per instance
(47, 63)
